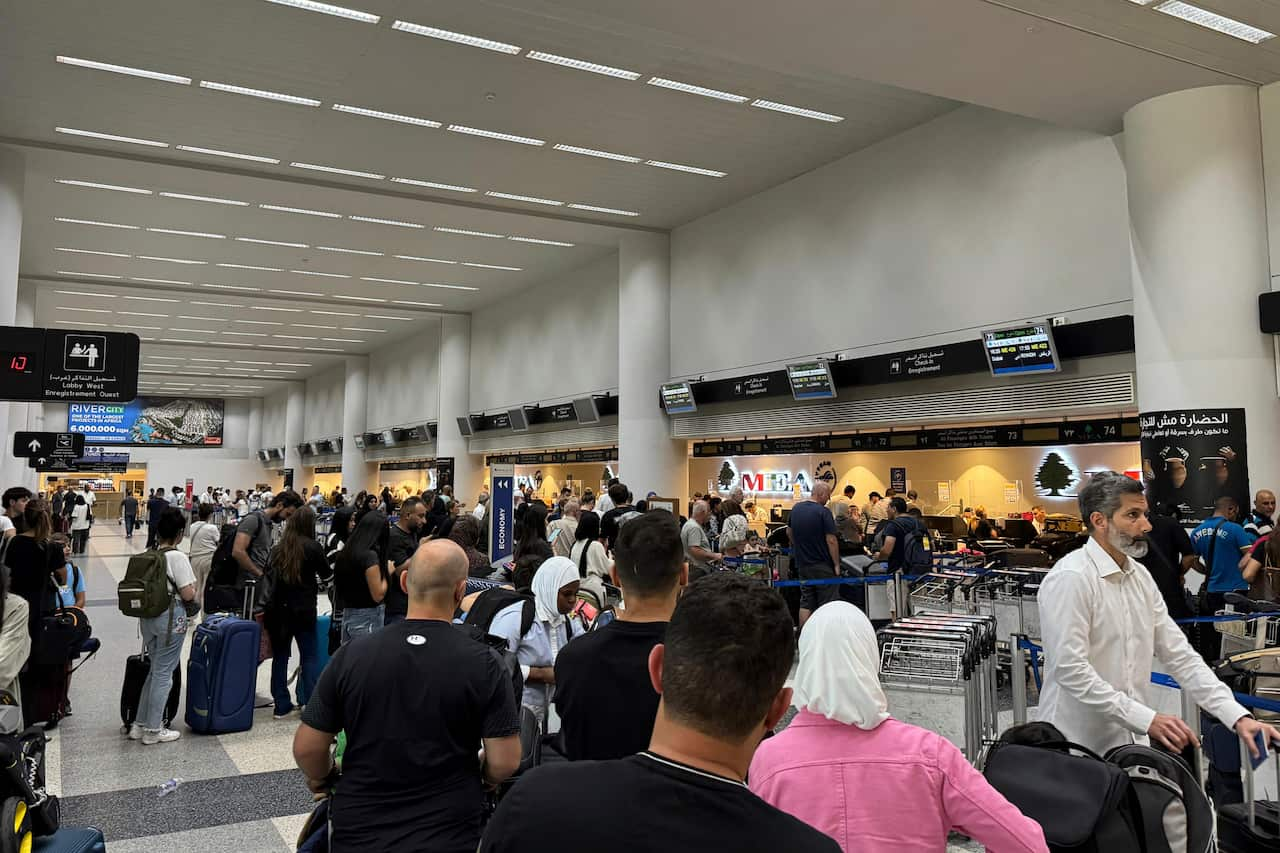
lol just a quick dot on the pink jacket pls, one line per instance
(898, 787)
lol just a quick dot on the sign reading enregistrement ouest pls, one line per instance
(66, 366)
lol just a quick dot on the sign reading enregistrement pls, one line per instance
(65, 366)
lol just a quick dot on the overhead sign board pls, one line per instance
(811, 380)
(1021, 349)
(66, 366)
(48, 445)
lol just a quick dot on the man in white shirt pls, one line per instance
(15, 502)
(206, 497)
(1103, 619)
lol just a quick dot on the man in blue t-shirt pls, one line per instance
(1228, 542)
(815, 550)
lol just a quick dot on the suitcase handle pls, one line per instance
(1246, 764)
(250, 585)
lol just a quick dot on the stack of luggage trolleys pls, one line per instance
(1010, 595)
(939, 672)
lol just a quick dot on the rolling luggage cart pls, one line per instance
(938, 672)
(1252, 634)
(324, 523)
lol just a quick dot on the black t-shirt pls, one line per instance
(651, 803)
(415, 700)
(31, 565)
(155, 506)
(609, 523)
(810, 523)
(401, 548)
(1168, 543)
(349, 578)
(603, 693)
(130, 506)
(298, 600)
(898, 528)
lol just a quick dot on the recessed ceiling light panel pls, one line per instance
(125, 69)
(433, 185)
(210, 199)
(216, 152)
(457, 38)
(176, 233)
(596, 152)
(1213, 21)
(679, 167)
(796, 111)
(697, 90)
(87, 274)
(271, 242)
(111, 137)
(93, 252)
(96, 222)
(330, 9)
(349, 251)
(583, 65)
(527, 198)
(399, 223)
(594, 209)
(540, 241)
(300, 210)
(98, 186)
(249, 267)
(265, 94)
(468, 233)
(425, 260)
(386, 116)
(493, 134)
(314, 167)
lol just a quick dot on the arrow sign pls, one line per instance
(53, 445)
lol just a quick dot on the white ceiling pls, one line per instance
(882, 67)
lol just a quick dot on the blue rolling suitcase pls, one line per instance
(222, 673)
(70, 839)
(323, 624)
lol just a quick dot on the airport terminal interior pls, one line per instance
(941, 330)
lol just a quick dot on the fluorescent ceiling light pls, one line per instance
(333, 340)
(178, 233)
(198, 332)
(249, 267)
(272, 242)
(349, 251)
(678, 167)
(238, 361)
(596, 152)
(140, 314)
(96, 325)
(95, 222)
(324, 274)
(189, 317)
(387, 280)
(446, 286)
(246, 334)
(527, 198)
(416, 304)
(223, 287)
(295, 337)
(316, 326)
(796, 111)
(1214, 21)
(468, 233)
(540, 241)
(359, 298)
(159, 280)
(583, 65)
(283, 310)
(193, 358)
(358, 329)
(150, 299)
(302, 210)
(210, 199)
(98, 186)
(111, 137)
(294, 363)
(400, 117)
(292, 292)
(493, 134)
(458, 38)
(433, 185)
(181, 341)
(396, 222)
(593, 208)
(424, 260)
(94, 252)
(323, 349)
(87, 274)
(125, 69)
(87, 293)
(491, 266)
(170, 260)
(277, 370)
(332, 314)
(389, 317)
(137, 328)
(214, 152)
(259, 93)
(373, 176)
(179, 358)
(220, 304)
(330, 9)
(696, 90)
(259, 322)
(280, 346)
(84, 310)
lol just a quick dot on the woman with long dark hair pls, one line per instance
(532, 535)
(361, 575)
(467, 532)
(32, 560)
(300, 567)
(590, 557)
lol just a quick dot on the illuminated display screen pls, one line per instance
(1023, 349)
(677, 398)
(811, 380)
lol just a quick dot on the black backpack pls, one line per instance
(1176, 814)
(917, 550)
(491, 602)
(222, 592)
(1083, 803)
(506, 658)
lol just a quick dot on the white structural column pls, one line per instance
(12, 174)
(1198, 227)
(23, 416)
(295, 411)
(648, 458)
(357, 475)
(455, 400)
(254, 441)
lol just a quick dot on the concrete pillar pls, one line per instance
(294, 413)
(455, 400)
(12, 176)
(357, 475)
(1198, 229)
(254, 441)
(648, 458)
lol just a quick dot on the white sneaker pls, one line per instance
(135, 732)
(162, 735)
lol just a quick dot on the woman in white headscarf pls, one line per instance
(555, 591)
(873, 783)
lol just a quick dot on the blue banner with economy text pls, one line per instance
(501, 511)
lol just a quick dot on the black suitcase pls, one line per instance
(136, 670)
(1250, 827)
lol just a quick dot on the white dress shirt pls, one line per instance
(1101, 626)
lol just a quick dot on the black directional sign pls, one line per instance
(48, 445)
(66, 366)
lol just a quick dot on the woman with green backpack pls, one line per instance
(157, 588)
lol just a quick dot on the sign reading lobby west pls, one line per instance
(65, 366)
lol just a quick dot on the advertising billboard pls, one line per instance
(150, 422)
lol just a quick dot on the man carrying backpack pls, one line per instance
(252, 548)
(906, 541)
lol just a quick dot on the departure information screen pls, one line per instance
(677, 398)
(1022, 349)
(811, 380)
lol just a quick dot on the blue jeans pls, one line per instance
(128, 526)
(358, 621)
(164, 647)
(281, 638)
